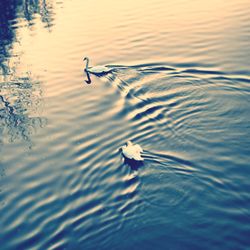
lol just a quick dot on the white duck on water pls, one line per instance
(97, 70)
(132, 151)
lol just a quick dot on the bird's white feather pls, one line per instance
(96, 69)
(132, 151)
(99, 70)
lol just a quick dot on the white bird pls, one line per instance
(97, 70)
(132, 151)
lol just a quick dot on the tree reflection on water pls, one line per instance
(20, 97)
(20, 102)
(11, 11)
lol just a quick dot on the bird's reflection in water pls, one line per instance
(134, 165)
(88, 80)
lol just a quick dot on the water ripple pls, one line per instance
(179, 87)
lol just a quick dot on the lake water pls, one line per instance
(179, 87)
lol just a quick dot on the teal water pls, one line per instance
(179, 86)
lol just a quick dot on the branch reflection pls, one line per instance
(11, 12)
(20, 104)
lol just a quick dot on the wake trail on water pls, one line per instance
(124, 88)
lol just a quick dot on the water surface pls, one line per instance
(180, 87)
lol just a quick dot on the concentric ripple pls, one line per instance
(179, 86)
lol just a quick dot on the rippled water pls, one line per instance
(179, 86)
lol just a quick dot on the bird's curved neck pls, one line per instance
(87, 63)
